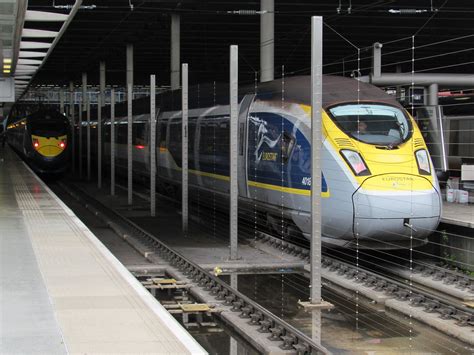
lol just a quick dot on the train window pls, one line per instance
(191, 136)
(139, 134)
(207, 143)
(122, 132)
(174, 145)
(49, 128)
(162, 126)
(373, 123)
(287, 144)
(222, 138)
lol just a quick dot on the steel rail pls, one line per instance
(438, 273)
(416, 297)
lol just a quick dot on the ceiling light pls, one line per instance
(6, 71)
(407, 11)
(7, 61)
(7, 66)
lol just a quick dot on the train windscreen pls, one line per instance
(49, 128)
(372, 123)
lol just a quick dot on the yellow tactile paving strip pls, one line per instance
(96, 306)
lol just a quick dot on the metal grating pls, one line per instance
(419, 142)
(343, 142)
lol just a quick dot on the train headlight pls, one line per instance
(423, 162)
(62, 144)
(355, 161)
(36, 144)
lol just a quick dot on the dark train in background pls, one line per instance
(41, 137)
(379, 186)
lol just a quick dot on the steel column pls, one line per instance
(377, 59)
(129, 145)
(267, 40)
(99, 141)
(79, 114)
(175, 50)
(73, 125)
(433, 94)
(86, 108)
(61, 101)
(316, 142)
(112, 142)
(102, 82)
(234, 117)
(84, 91)
(88, 104)
(316, 103)
(152, 147)
(129, 65)
(184, 147)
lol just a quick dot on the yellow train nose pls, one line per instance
(49, 146)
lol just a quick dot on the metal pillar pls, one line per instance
(433, 94)
(175, 50)
(112, 142)
(99, 141)
(80, 140)
(267, 40)
(234, 117)
(84, 91)
(129, 145)
(184, 147)
(129, 65)
(377, 59)
(88, 104)
(85, 103)
(316, 103)
(73, 125)
(316, 142)
(102, 83)
(61, 101)
(152, 147)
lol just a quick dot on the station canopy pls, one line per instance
(101, 29)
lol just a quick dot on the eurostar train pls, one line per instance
(379, 188)
(41, 138)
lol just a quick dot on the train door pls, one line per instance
(243, 144)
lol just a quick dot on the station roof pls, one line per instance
(101, 29)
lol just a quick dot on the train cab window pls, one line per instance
(161, 139)
(51, 128)
(376, 124)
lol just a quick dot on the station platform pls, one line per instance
(458, 214)
(62, 291)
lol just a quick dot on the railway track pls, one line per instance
(415, 295)
(451, 285)
(290, 338)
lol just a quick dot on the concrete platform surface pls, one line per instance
(62, 291)
(458, 214)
